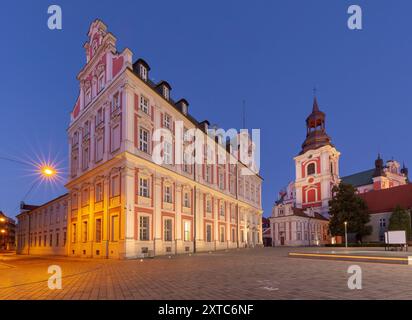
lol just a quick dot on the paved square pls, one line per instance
(266, 273)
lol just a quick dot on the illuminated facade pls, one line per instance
(124, 205)
(300, 217)
(42, 230)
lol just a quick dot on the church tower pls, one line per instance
(317, 165)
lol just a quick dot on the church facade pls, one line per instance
(300, 216)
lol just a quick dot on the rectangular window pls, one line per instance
(208, 205)
(101, 82)
(186, 200)
(167, 122)
(99, 192)
(84, 231)
(167, 152)
(222, 209)
(98, 235)
(88, 97)
(233, 235)
(242, 236)
(186, 166)
(168, 231)
(99, 116)
(57, 239)
(51, 240)
(186, 230)
(116, 102)
(222, 234)
(209, 173)
(45, 240)
(208, 233)
(115, 186)
(99, 148)
(143, 73)
(221, 179)
(85, 197)
(144, 188)
(115, 138)
(144, 104)
(74, 233)
(115, 229)
(144, 140)
(144, 228)
(64, 238)
(85, 158)
(168, 194)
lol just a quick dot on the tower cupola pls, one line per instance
(316, 136)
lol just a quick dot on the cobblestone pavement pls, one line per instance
(237, 274)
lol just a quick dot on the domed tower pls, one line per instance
(316, 136)
(317, 165)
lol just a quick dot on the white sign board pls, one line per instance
(395, 237)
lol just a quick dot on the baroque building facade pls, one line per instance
(300, 216)
(121, 202)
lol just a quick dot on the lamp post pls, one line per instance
(346, 234)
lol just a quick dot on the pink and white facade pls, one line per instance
(121, 203)
(300, 216)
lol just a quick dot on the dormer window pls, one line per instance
(166, 92)
(143, 72)
(142, 69)
(182, 105)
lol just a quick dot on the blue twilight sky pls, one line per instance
(216, 54)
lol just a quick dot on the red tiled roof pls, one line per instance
(387, 199)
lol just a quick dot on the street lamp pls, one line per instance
(346, 234)
(48, 171)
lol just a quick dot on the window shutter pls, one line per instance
(152, 113)
(161, 120)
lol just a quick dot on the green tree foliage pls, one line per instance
(346, 205)
(400, 220)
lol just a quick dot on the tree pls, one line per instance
(346, 205)
(400, 220)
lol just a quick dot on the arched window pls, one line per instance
(311, 169)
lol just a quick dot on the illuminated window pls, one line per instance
(168, 223)
(187, 229)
